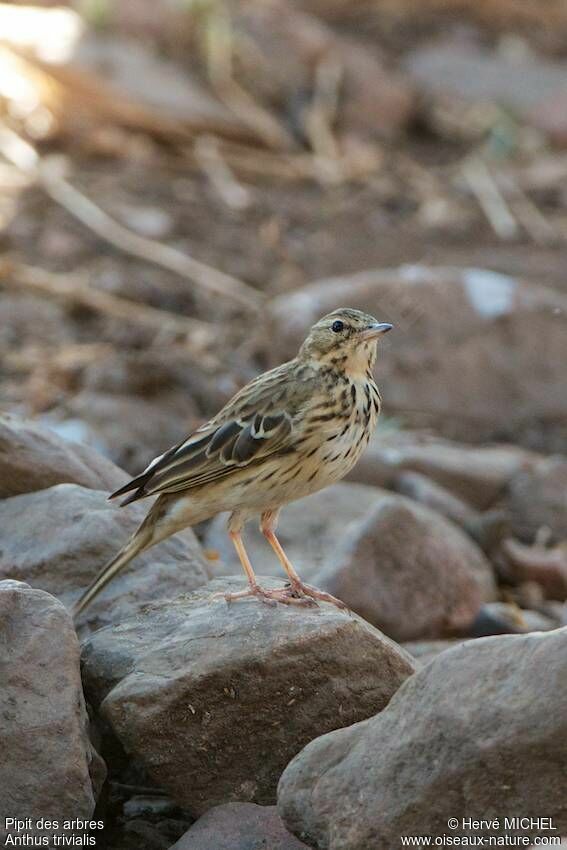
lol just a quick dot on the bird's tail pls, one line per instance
(140, 541)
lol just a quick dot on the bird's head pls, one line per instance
(345, 339)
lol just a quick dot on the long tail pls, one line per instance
(140, 541)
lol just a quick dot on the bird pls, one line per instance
(290, 432)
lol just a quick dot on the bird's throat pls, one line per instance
(360, 361)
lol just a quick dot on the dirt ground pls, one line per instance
(413, 205)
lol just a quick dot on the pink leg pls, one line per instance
(298, 588)
(269, 597)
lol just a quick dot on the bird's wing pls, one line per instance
(256, 423)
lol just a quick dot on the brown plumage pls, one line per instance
(288, 433)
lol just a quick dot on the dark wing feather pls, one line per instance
(256, 423)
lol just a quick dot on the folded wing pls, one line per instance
(257, 422)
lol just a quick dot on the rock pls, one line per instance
(424, 651)
(491, 385)
(469, 75)
(214, 700)
(140, 833)
(150, 821)
(131, 429)
(153, 375)
(476, 475)
(489, 529)
(499, 618)
(161, 89)
(481, 728)
(34, 458)
(308, 530)
(48, 768)
(58, 540)
(537, 497)
(546, 567)
(538, 621)
(422, 489)
(239, 826)
(409, 571)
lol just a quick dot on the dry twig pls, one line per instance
(528, 213)
(264, 125)
(490, 198)
(211, 160)
(322, 113)
(74, 289)
(50, 176)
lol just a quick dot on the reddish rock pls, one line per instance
(239, 826)
(409, 571)
(545, 566)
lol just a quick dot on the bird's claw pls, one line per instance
(264, 596)
(286, 596)
(294, 593)
(306, 590)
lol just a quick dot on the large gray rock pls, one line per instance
(48, 768)
(481, 728)
(239, 826)
(409, 571)
(59, 539)
(213, 700)
(34, 458)
(468, 351)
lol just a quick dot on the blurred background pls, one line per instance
(179, 179)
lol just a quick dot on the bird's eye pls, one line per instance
(337, 326)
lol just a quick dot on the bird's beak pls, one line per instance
(374, 331)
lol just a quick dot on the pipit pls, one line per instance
(288, 433)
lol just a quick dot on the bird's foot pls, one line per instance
(302, 590)
(257, 591)
(286, 595)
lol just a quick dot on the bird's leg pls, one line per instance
(254, 588)
(270, 597)
(297, 586)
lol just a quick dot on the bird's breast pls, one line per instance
(337, 432)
